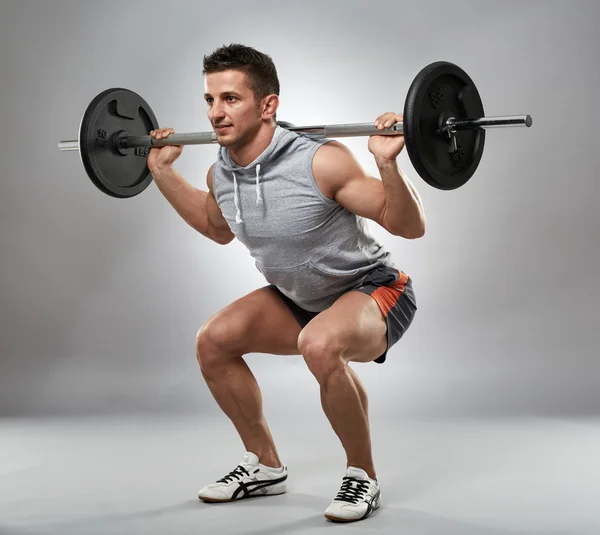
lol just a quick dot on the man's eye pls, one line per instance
(209, 100)
(231, 99)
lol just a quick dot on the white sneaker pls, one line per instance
(248, 479)
(357, 498)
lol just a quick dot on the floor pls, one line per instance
(140, 474)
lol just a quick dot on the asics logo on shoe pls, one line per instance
(372, 504)
(252, 486)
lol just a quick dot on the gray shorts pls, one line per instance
(393, 292)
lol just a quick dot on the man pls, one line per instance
(335, 297)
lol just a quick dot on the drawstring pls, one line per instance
(238, 217)
(259, 199)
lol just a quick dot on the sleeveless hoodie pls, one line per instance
(309, 246)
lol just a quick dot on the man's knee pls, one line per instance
(218, 339)
(322, 351)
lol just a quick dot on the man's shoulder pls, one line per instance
(332, 166)
(209, 177)
(333, 159)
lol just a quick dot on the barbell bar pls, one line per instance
(318, 131)
(443, 124)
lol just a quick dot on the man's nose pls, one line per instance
(217, 110)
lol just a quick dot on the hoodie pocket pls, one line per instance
(309, 285)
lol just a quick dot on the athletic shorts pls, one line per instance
(393, 292)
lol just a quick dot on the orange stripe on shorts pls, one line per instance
(387, 296)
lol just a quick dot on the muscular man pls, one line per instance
(297, 203)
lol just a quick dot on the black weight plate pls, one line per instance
(124, 173)
(439, 91)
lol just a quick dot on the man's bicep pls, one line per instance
(364, 196)
(215, 215)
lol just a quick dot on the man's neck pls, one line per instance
(246, 155)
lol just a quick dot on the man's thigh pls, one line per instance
(364, 324)
(353, 325)
(258, 322)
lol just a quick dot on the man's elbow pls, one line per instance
(412, 232)
(222, 238)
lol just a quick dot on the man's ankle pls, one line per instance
(269, 460)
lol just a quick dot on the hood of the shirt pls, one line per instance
(281, 139)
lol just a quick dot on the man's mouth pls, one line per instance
(222, 128)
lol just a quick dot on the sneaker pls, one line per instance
(357, 499)
(248, 479)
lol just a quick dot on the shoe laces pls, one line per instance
(352, 493)
(237, 473)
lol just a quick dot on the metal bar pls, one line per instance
(348, 130)
(490, 122)
(71, 144)
(194, 138)
(324, 131)
(203, 138)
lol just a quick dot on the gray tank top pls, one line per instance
(310, 247)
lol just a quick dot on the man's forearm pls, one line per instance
(404, 210)
(188, 201)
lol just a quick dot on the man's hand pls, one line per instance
(386, 147)
(163, 156)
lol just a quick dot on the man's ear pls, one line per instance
(269, 106)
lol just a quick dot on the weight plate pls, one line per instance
(442, 90)
(118, 173)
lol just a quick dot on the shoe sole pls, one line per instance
(274, 490)
(337, 519)
(346, 520)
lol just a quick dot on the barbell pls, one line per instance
(443, 125)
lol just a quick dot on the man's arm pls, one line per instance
(198, 208)
(218, 226)
(392, 202)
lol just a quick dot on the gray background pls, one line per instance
(484, 418)
(101, 298)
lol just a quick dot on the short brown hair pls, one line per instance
(259, 68)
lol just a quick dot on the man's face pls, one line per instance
(232, 109)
